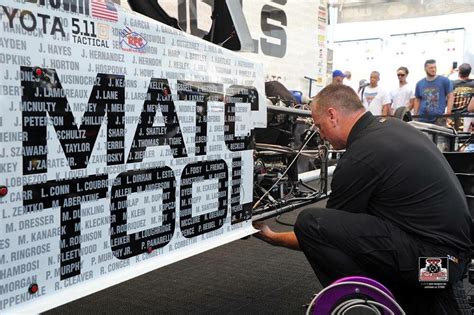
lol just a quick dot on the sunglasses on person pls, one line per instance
(401, 74)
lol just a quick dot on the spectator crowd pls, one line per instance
(433, 99)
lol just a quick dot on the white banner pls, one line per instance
(124, 147)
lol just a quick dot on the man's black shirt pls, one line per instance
(463, 83)
(395, 172)
(463, 91)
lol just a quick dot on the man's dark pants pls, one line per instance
(339, 244)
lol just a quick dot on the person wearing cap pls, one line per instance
(362, 85)
(338, 77)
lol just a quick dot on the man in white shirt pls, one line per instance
(403, 96)
(374, 98)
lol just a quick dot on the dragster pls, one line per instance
(128, 144)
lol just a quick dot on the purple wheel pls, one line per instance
(355, 295)
(370, 281)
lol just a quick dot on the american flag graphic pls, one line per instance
(104, 9)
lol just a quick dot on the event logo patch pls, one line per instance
(102, 31)
(433, 269)
(132, 41)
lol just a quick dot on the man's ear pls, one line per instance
(333, 116)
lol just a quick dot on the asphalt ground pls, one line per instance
(247, 276)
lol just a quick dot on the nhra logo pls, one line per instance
(435, 269)
(132, 41)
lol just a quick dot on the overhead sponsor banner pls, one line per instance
(125, 146)
(322, 46)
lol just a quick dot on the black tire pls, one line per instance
(403, 113)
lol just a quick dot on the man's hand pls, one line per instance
(285, 239)
(449, 122)
(265, 233)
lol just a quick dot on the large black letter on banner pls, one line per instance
(159, 99)
(238, 94)
(69, 195)
(45, 95)
(126, 245)
(271, 13)
(239, 212)
(192, 226)
(201, 93)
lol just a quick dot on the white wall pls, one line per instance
(385, 53)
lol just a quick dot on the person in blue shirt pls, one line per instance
(434, 96)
